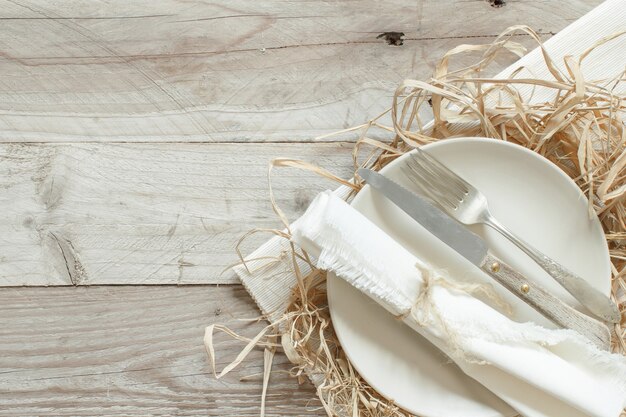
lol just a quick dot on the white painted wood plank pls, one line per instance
(133, 351)
(228, 70)
(144, 213)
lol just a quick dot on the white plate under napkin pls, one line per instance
(533, 198)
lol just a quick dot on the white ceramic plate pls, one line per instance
(528, 194)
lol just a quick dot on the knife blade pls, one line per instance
(473, 248)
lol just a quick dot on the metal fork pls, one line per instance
(468, 205)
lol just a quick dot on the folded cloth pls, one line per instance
(540, 372)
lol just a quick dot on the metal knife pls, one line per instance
(473, 248)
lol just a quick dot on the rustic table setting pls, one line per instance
(135, 140)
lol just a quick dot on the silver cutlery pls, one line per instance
(473, 248)
(468, 205)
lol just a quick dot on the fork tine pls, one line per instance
(446, 178)
(453, 182)
(417, 180)
(429, 184)
(422, 182)
(423, 178)
(441, 179)
(435, 162)
(440, 170)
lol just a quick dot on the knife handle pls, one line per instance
(598, 303)
(546, 303)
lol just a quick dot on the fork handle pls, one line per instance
(546, 303)
(598, 303)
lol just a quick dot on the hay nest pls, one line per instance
(580, 129)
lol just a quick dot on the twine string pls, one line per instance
(425, 312)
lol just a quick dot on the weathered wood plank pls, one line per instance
(224, 70)
(144, 213)
(133, 351)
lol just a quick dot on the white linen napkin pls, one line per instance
(539, 372)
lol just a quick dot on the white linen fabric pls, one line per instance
(540, 372)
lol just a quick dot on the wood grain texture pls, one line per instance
(133, 351)
(228, 70)
(93, 213)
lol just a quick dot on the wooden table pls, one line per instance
(134, 144)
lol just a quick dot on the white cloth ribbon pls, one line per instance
(539, 372)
